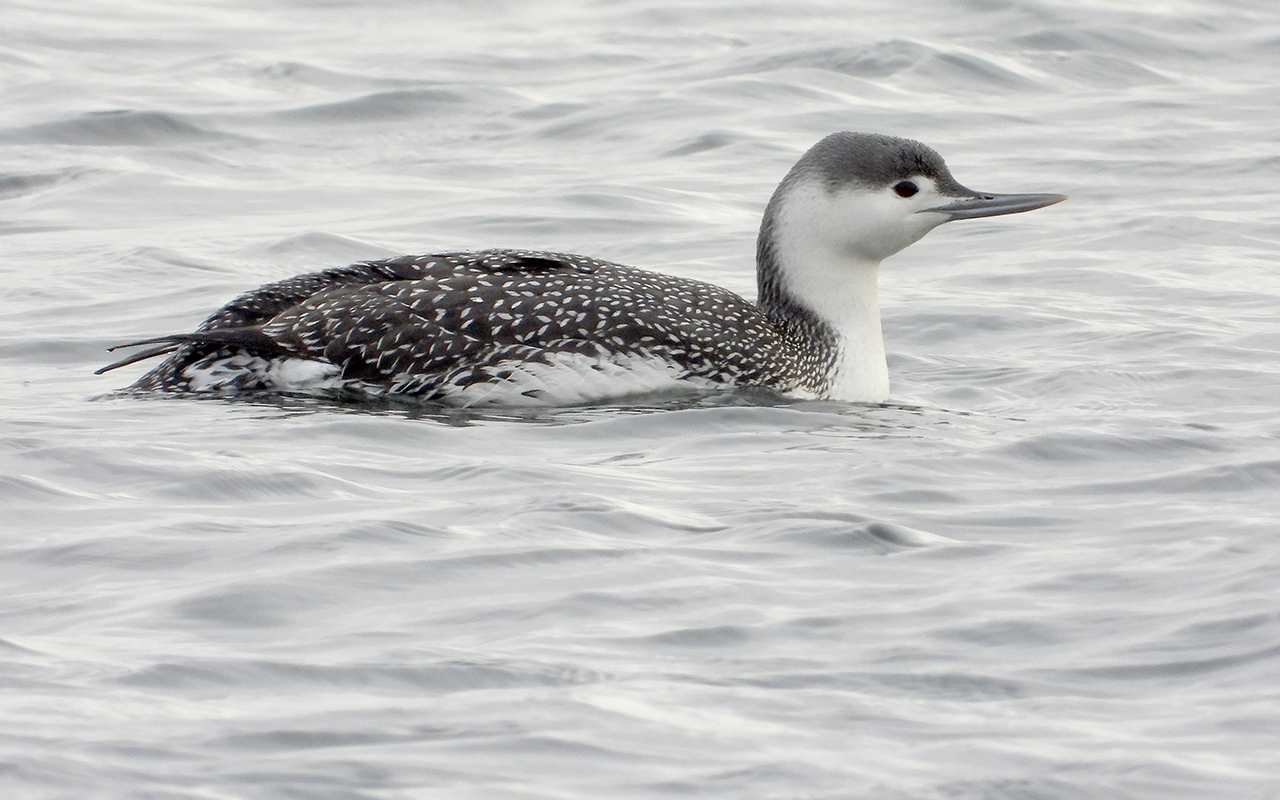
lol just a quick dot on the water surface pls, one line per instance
(1048, 569)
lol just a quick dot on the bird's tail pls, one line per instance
(251, 338)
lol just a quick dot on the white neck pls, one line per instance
(844, 294)
(828, 250)
(862, 372)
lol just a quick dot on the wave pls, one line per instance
(114, 128)
(401, 104)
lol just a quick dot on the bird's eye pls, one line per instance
(905, 188)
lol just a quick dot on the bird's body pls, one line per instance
(510, 326)
(492, 325)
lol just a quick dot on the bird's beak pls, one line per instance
(993, 205)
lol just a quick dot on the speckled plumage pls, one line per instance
(436, 324)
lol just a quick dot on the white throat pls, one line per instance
(843, 293)
(828, 246)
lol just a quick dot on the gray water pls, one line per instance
(1049, 569)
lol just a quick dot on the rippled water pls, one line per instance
(1048, 570)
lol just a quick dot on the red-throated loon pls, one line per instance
(515, 326)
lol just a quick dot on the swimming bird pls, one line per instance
(517, 326)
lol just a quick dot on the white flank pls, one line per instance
(243, 371)
(572, 378)
(568, 379)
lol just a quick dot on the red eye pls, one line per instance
(905, 188)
